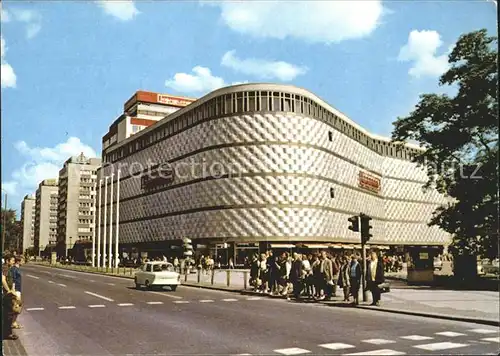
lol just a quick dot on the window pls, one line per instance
(330, 136)
(239, 102)
(265, 102)
(287, 106)
(276, 102)
(298, 106)
(251, 101)
(332, 193)
(228, 104)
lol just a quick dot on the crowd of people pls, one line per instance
(316, 276)
(11, 295)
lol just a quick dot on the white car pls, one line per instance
(157, 273)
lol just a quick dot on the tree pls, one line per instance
(13, 230)
(460, 135)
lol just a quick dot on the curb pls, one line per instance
(434, 315)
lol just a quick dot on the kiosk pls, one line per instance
(420, 264)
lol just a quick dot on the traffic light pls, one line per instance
(365, 228)
(188, 248)
(354, 220)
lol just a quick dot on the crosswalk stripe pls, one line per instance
(416, 337)
(292, 351)
(125, 304)
(379, 341)
(29, 275)
(68, 307)
(440, 346)
(154, 303)
(484, 331)
(450, 334)
(379, 352)
(97, 306)
(34, 309)
(336, 346)
(206, 301)
(229, 300)
(181, 301)
(254, 298)
(492, 339)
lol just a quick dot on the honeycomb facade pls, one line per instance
(263, 162)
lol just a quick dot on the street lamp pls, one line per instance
(70, 238)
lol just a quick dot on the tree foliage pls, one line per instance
(13, 230)
(460, 135)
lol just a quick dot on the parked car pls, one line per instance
(157, 274)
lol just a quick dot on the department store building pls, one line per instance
(258, 166)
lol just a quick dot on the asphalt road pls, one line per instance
(75, 313)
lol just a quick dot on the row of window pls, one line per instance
(253, 101)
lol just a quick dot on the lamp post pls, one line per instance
(105, 221)
(70, 246)
(110, 254)
(98, 257)
(4, 221)
(117, 218)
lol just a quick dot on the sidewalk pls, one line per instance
(13, 348)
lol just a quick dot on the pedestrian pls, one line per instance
(335, 272)
(263, 273)
(272, 270)
(355, 274)
(327, 275)
(374, 277)
(317, 277)
(8, 300)
(17, 282)
(231, 263)
(296, 275)
(306, 275)
(254, 272)
(344, 279)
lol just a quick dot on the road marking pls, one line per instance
(379, 341)
(206, 301)
(62, 285)
(51, 282)
(416, 337)
(181, 301)
(33, 309)
(97, 306)
(29, 275)
(68, 307)
(110, 284)
(440, 346)
(379, 352)
(125, 304)
(254, 298)
(292, 351)
(92, 281)
(450, 334)
(484, 331)
(154, 303)
(230, 300)
(167, 295)
(100, 296)
(492, 339)
(67, 276)
(337, 346)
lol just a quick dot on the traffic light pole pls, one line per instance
(363, 278)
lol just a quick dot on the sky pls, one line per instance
(68, 67)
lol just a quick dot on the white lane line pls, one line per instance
(379, 341)
(450, 334)
(97, 306)
(417, 337)
(167, 295)
(181, 301)
(492, 339)
(230, 300)
(154, 303)
(51, 282)
(254, 298)
(100, 296)
(292, 351)
(440, 346)
(67, 276)
(125, 304)
(337, 346)
(484, 331)
(206, 301)
(68, 307)
(33, 309)
(92, 281)
(62, 285)
(379, 352)
(30, 275)
(110, 284)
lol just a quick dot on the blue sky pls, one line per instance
(68, 67)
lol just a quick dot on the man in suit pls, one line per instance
(374, 277)
(355, 274)
(296, 275)
(327, 274)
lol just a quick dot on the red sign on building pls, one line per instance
(369, 182)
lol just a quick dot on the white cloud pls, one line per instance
(421, 50)
(261, 68)
(9, 187)
(44, 163)
(312, 21)
(201, 81)
(124, 10)
(5, 15)
(8, 76)
(32, 19)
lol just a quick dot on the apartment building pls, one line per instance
(28, 222)
(76, 208)
(46, 215)
(142, 110)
